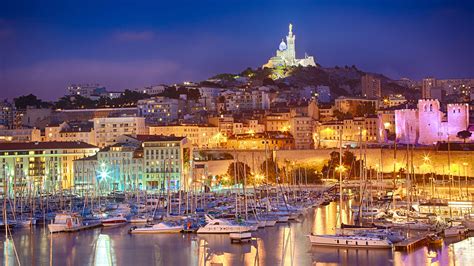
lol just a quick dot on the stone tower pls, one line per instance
(458, 118)
(429, 119)
(290, 43)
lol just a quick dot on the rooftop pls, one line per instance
(50, 145)
(143, 138)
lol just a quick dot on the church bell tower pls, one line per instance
(290, 42)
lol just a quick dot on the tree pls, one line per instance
(74, 102)
(24, 101)
(349, 161)
(365, 109)
(272, 170)
(237, 171)
(464, 135)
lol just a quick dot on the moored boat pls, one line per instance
(354, 241)
(160, 228)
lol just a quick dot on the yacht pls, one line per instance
(114, 220)
(157, 229)
(350, 241)
(221, 226)
(64, 222)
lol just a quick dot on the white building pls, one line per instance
(286, 54)
(159, 109)
(85, 90)
(166, 161)
(151, 90)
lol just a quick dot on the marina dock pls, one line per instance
(410, 244)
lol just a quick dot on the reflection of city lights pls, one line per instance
(103, 253)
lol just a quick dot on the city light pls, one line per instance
(341, 168)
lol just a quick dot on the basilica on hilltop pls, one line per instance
(286, 54)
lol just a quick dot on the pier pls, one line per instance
(410, 244)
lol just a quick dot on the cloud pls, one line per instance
(49, 79)
(131, 36)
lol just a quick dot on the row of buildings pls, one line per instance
(311, 125)
(135, 162)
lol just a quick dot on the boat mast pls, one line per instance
(340, 175)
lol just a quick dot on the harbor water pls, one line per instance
(284, 244)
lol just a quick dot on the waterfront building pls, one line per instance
(271, 140)
(371, 86)
(200, 136)
(167, 161)
(159, 109)
(427, 124)
(286, 54)
(41, 166)
(118, 167)
(108, 129)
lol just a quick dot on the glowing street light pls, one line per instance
(341, 168)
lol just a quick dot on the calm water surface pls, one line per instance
(284, 244)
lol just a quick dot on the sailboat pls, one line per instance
(342, 240)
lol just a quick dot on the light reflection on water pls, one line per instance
(280, 245)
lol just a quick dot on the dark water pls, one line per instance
(284, 244)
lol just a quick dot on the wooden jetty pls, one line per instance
(411, 244)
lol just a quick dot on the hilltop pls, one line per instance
(343, 81)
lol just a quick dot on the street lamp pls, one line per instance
(465, 175)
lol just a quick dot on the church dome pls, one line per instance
(282, 46)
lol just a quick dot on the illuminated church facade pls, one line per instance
(286, 54)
